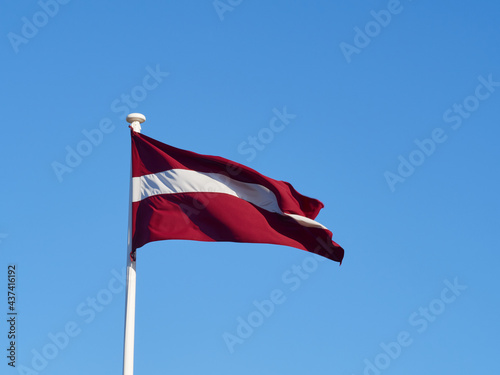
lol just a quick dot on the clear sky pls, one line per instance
(389, 115)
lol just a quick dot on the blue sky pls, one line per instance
(393, 124)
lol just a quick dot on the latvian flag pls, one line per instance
(178, 194)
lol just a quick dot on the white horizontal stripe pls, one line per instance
(175, 181)
(305, 221)
(188, 181)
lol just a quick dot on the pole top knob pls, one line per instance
(135, 120)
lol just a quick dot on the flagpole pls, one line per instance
(135, 120)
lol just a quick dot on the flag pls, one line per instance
(178, 194)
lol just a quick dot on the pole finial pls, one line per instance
(135, 120)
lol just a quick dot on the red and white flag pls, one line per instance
(178, 194)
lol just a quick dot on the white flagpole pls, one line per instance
(135, 120)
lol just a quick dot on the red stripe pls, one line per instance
(151, 156)
(221, 217)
